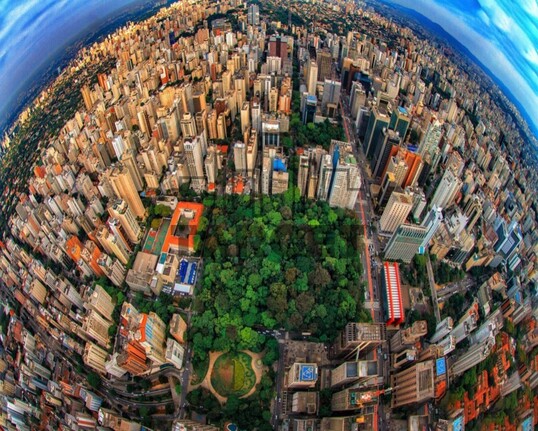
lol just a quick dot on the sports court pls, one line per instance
(155, 239)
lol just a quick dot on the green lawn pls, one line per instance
(232, 374)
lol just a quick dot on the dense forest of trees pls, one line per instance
(275, 262)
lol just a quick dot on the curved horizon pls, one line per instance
(502, 35)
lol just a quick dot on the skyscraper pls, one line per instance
(302, 177)
(431, 138)
(396, 212)
(413, 385)
(325, 62)
(357, 336)
(195, 163)
(253, 15)
(405, 242)
(446, 191)
(312, 78)
(129, 226)
(431, 222)
(376, 123)
(123, 185)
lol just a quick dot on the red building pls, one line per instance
(392, 294)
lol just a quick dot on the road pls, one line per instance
(371, 246)
(433, 289)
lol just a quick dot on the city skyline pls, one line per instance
(502, 35)
(35, 33)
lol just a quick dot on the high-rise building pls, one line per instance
(95, 357)
(408, 337)
(331, 97)
(178, 327)
(96, 327)
(446, 191)
(353, 399)
(245, 117)
(240, 158)
(279, 181)
(99, 300)
(399, 121)
(325, 176)
(405, 242)
(396, 212)
(123, 185)
(413, 385)
(309, 109)
(391, 293)
(195, 163)
(389, 142)
(312, 78)
(378, 120)
(253, 17)
(361, 337)
(302, 376)
(119, 209)
(346, 179)
(431, 222)
(350, 372)
(431, 138)
(278, 47)
(188, 126)
(302, 177)
(473, 356)
(325, 63)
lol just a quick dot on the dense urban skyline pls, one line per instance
(502, 35)
(277, 215)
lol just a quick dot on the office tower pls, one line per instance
(278, 47)
(312, 78)
(325, 62)
(446, 191)
(95, 357)
(389, 141)
(195, 163)
(388, 185)
(210, 164)
(431, 222)
(431, 138)
(391, 293)
(357, 338)
(413, 385)
(473, 356)
(302, 177)
(119, 146)
(442, 329)
(353, 399)
(395, 213)
(270, 132)
(473, 211)
(178, 327)
(188, 126)
(302, 376)
(129, 225)
(240, 158)
(346, 179)
(279, 181)
(124, 188)
(273, 100)
(331, 97)
(355, 371)
(133, 359)
(151, 335)
(376, 123)
(309, 109)
(87, 97)
(304, 402)
(99, 300)
(408, 337)
(509, 238)
(357, 99)
(245, 117)
(96, 327)
(399, 168)
(256, 116)
(128, 159)
(405, 243)
(174, 353)
(113, 244)
(112, 268)
(252, 152)
(253, 17)
(399, 121)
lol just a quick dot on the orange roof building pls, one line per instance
(183, 227)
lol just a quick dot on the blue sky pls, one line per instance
(501, 34)
(32, 30)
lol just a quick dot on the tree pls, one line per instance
(94, 380)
